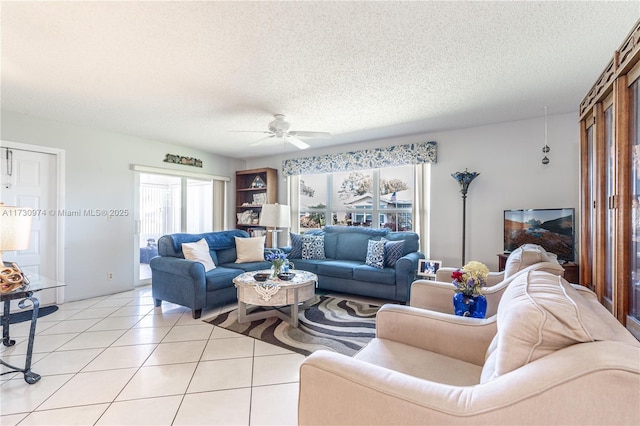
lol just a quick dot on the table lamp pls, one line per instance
(275, 216)
(15, 234)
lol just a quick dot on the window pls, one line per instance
(376, 198)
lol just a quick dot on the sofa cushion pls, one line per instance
(352, 246)
(416, 362)
(250, 249)
(393, 250)
(313, 247)
(375, 254)
(216, 240)
(411, 240)
(309, 265)
(540, 313)
(221, 277)
(199, 252)
(369, 274)
(225, 256)
(526, 255)
(248, 266)
(337, 268)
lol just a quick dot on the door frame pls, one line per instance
(140, 168)
(60, 199)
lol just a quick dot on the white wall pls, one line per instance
(98, 176)
(508, 157)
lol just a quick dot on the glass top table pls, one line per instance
(25, 294)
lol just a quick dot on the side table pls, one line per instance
(25, 295)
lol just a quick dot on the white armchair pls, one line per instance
(436, 295)
(552, 355)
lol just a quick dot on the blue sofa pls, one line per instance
(184, 282)
(344, 269)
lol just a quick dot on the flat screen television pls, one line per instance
(552, 229)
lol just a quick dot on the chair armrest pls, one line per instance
(432, 295)
(494, 278)
(437, 296)
(437, 332)
(444, 275)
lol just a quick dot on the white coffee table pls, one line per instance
(283, 296)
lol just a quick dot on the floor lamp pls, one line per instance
(15, 234)
(464, 179)
(275, 216)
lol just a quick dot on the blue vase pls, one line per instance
(469, 306)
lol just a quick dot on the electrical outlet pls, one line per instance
(110, 275)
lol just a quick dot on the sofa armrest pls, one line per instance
(406, 268)
(557, 389)
(437, 332)
(178, 266)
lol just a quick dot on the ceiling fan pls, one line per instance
(279, 129)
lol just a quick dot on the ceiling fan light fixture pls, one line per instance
(545, 148)
(278, 128)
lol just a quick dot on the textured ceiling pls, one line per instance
(190, 72)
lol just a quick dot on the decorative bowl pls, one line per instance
(261, 276)
(286, 276)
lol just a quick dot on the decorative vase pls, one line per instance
(469, 306)
(276, 268)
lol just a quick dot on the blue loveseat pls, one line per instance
(344, 268)
(184, 282)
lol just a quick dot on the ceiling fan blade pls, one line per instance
(304, 134)
(297, 142)
(248, 131)
(261, 141)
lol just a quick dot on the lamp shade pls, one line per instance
(15, 228)
(275, 215)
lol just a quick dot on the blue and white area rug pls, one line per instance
(335, 324)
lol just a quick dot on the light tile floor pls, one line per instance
(117, 360)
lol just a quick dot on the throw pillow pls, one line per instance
(393, 251)
(199, 252)
(296, 246)
(541, 313)
(375, 254)
(313, 247)
(249, 249)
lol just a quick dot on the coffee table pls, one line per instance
(283, 297)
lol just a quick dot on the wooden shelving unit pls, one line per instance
(254, 188)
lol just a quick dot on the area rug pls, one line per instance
(330, 323)
(26, 315)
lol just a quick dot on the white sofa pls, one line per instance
(437, 295)
(551, 355)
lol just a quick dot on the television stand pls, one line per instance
(571, 269)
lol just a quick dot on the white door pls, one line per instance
(28, 179)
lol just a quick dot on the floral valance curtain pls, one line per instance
(399, 155)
